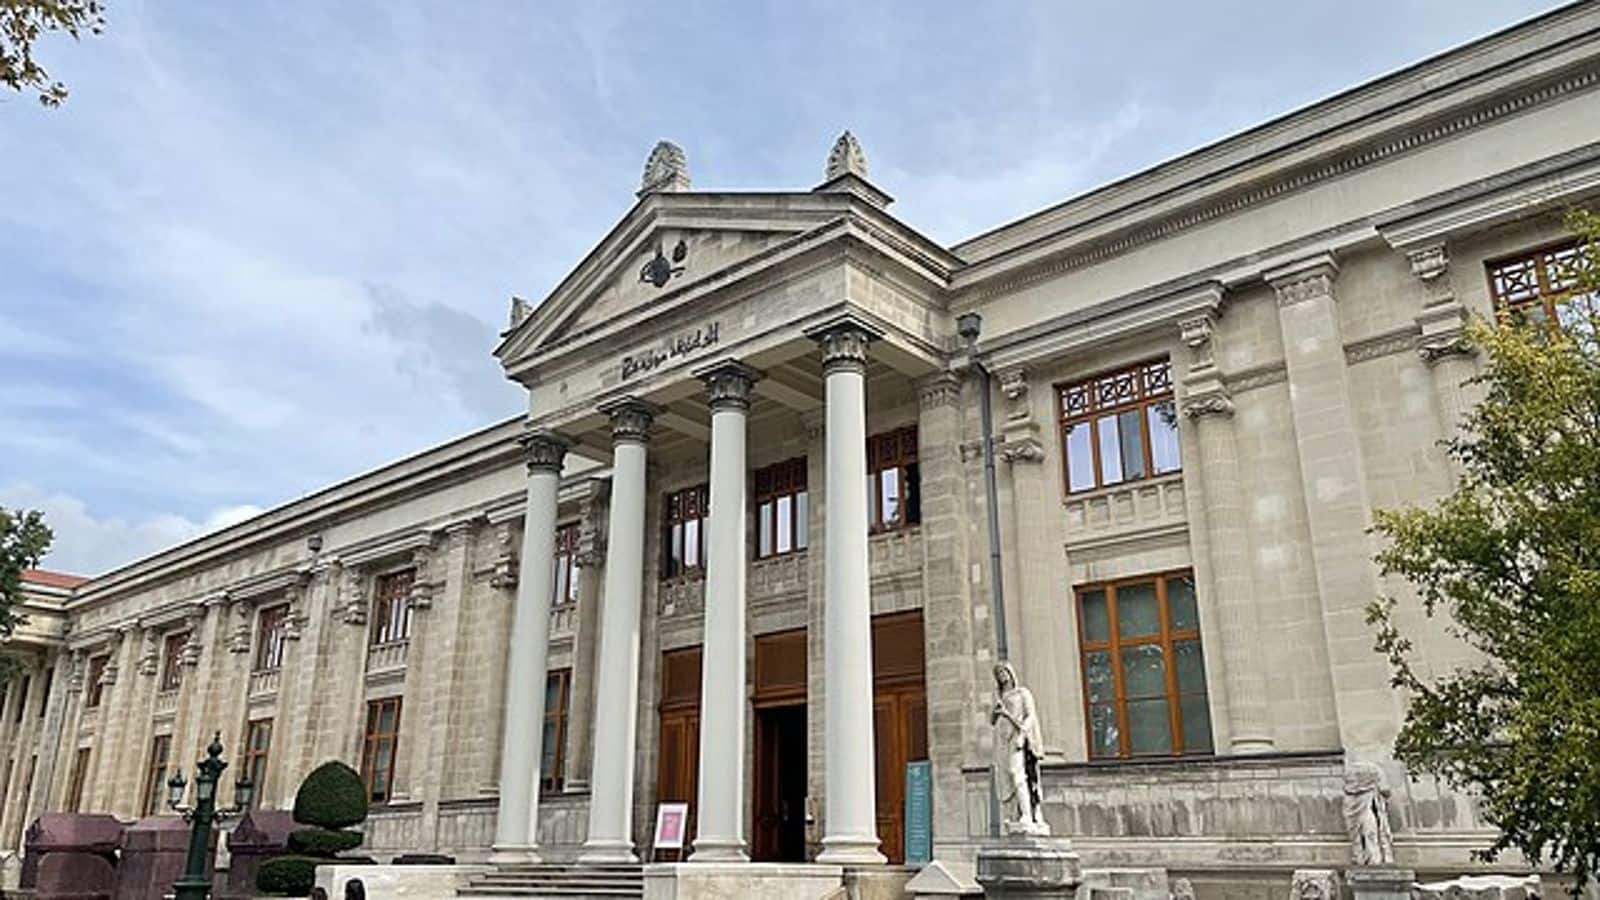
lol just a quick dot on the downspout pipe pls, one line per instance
(969, 326)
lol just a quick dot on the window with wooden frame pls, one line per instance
(381, 748)
(553, 755)
(80, 771)
(93, 688)
(1144, 672)
(894, 481)
(257, 744)
(172, 660)
(782, 507)
(391, 607)
(1119, 427)
(272, 638)
(683, 531)
(1543, 285)
(155, 773)
(566, 565)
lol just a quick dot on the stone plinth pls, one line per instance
(886, 882)
(419, 882)
(1029, 869)
(72, 856)
(741, 881)
(261, 833)
(1135, 884)
(1380, 883)
(154, 852)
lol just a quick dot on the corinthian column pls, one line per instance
(851, 829)
(1207, 404)
(516, 833)
(617, 690)
(720, 833)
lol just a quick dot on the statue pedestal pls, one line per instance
(1029, 868)
(1380, 882)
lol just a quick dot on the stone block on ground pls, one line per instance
(1482, 887)
(1138, 883)
(886, 882)
(1380, 882)
(742, 881)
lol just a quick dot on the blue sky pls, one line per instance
(267, 246)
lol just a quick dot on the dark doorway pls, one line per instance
(780, 789)
(899, 719)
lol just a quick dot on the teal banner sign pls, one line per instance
(919, 813)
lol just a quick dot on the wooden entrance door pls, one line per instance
(678, 765)
(899, 719)
(778, 816)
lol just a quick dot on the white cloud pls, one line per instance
(87, 544)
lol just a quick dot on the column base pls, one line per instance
(608, 852)
(1246, 745)
(1021, 868)
(714, 849)
(513, 854)
(851, 849)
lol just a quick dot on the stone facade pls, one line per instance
(1306, 283)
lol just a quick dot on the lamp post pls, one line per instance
(195, 884)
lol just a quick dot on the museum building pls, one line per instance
(738, 554)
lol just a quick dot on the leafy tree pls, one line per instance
(22, 22)
(24, 538)
(1513, 557)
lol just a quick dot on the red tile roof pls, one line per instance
(52, 579)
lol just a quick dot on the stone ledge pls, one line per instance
(741, 881)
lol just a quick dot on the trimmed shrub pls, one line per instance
(292, 876)
(332, 796)
(322, 841)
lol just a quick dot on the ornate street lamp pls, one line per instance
(195, 885)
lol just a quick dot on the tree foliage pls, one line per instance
(24, 538)
(23, 22)
(1513, 557)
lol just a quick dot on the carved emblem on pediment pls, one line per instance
(658, 270)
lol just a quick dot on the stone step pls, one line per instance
(558, 881)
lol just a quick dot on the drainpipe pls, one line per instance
(968, 326)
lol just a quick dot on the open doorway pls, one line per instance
(780, 795)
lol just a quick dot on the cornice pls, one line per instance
(1144, 311)
(1076, 248)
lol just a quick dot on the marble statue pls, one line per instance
(1017, 746)
(1366, 815)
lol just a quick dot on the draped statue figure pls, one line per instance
(1017, 748)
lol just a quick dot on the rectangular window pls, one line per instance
(22, 698)
(272, 638)
(1144, 673)
(566, 565)
(172, 660)
(557, 694)
(894, 483)
(391, 607)
(155, 778)
(382, 746)
(1119, 427)
(782, 506)
(93, 689)
(1542, 285)
(257, 744)
(80, 771)
(683, 531)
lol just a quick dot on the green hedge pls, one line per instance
(322, 841)
(332, 796)
(292, 876)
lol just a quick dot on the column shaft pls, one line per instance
(851, 827)
(516, 835)
(720, 832)
(617, 689)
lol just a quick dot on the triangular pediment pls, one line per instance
(667, 244)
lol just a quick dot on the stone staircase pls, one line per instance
(557, 880)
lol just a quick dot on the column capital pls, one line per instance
(1210, 400)
(941, 389)
(844, 341)
(631, 419)
(543, 450)
(1304, 279)
(728, 384)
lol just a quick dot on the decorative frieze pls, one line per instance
(1307, 280)
(942, 389)
(1387, 344)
